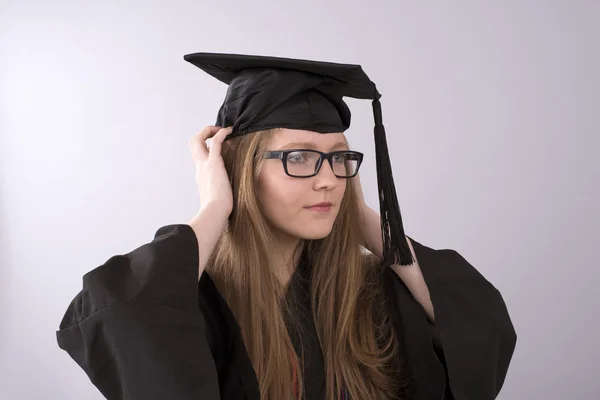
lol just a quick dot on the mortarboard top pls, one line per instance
(272, 92)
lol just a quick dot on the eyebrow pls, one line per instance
(310, 145)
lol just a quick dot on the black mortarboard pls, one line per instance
(272, 92)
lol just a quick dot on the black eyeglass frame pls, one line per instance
(283, 155)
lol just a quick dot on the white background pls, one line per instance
(492, 112)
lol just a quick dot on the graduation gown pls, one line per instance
(144, 327)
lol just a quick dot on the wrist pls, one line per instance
(215, 208)
(371, 230)
(213, 212)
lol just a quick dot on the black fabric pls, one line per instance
(143, 327)
(274, 92)
(304, 337)
(136, 328)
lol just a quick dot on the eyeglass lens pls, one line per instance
(304, 163)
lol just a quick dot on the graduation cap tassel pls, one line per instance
(395, 247)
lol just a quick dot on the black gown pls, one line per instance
(144, 327)
(298, 294)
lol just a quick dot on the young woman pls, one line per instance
(266, 294)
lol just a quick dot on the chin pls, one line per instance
(313, 234)
(306, 230)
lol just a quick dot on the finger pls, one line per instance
(209, 132)
(217, 142)
(197, 143)
(197, 149)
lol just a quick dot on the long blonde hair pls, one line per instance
(354, 327)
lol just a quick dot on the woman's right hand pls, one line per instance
(211, 177)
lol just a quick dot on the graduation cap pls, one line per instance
(273, 92)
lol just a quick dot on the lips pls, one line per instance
(320, 207)
(323, 204)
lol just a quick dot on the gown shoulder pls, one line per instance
(473, 338)
(136, 329)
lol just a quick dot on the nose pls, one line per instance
(325, 178)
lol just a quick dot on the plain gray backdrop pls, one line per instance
(492, 111)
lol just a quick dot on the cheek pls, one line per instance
(283, 200)
(280, 194)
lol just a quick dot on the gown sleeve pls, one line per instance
(473, 329)
(136, 329)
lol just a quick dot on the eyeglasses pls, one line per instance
(304, 163)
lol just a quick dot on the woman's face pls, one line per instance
(287, 201)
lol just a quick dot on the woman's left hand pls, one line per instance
(411, 275)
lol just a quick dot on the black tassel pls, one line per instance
(395, 247)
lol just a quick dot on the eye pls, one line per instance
(297, 157)
(339, 158)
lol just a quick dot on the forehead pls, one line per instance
(283, 137)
